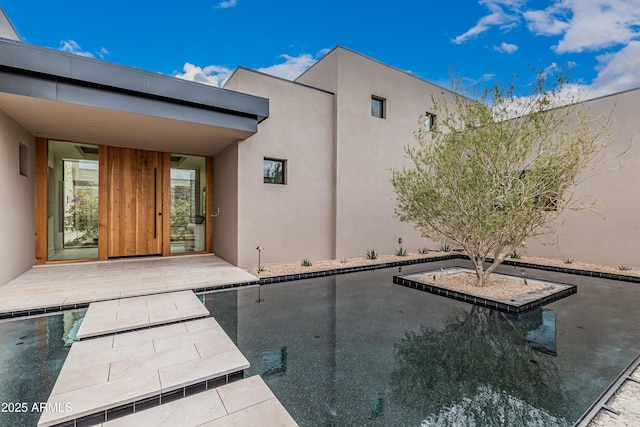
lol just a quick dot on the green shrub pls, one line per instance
(514, 254)
(568, 261)
(624, 268)
(371, 254)
(306, 263)
(445, 247)
(401, 252)
(423, 250)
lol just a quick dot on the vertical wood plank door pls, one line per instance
(135, 202)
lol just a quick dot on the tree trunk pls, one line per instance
(496, 263)
(478, 265)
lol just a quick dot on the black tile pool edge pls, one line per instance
(149, 402)
(485, 302)
(346, 270)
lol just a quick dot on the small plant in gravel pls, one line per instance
(306, 263)
(343, 260)
(372, 254)
(568, 261)
(423, 251)
(624, 268)
(401, 252)
(514, 254)
(445, 247)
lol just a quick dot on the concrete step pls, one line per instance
(115, 374)
(248, 402)
(119, 315)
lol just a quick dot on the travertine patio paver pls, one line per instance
(81, 283)
(107, 372)
(139, 312)
(248, 402)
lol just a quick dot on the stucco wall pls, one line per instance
(292, 221)
(225, 196)
(16, 200)
(368, 147)
(611, 233)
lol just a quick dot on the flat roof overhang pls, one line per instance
(57, 95)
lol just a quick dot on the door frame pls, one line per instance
(41, 205)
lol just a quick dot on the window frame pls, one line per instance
(431, 120)
(382, 106)
(266, 180)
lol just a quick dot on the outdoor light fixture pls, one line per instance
(259, 249)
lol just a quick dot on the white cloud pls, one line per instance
(545, 22)
(72, 47)
(503, 14)
(103, 52)
(506, 48)
(227, 4)
(213, 75)
(618, 71)
(292, 67)
(587, 24)
(216, 75)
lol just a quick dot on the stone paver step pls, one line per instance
(139, 312)
(247, 402)
(113, 373)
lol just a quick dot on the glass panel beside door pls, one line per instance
(72, 212)
(188, 203)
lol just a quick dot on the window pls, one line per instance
(429, 121)
(24, 160)
(274, 171)
(188, 203)
(548, 201)
(377, 107)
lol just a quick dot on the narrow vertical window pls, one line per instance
(273, 171)
(377, 107)
(188, 203)
(24, 160)
(429, 121)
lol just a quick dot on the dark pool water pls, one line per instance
(358, 350)
(32, 352)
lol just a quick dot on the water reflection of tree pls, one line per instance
(478, 363)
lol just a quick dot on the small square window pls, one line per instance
(377, 107)
(274, 171)
(429, 121)
(24, 160)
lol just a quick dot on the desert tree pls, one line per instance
(499, 167)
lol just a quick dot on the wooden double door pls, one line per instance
(135, 202)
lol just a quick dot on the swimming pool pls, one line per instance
(32, 353)
(356, 349)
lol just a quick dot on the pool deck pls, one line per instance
(156, 361)
(55, 287)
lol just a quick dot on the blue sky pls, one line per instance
(204, 40)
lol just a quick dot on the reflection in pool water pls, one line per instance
(363, 351)
(480, 367)
(32, 353)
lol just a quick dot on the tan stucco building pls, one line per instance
(100, 161)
